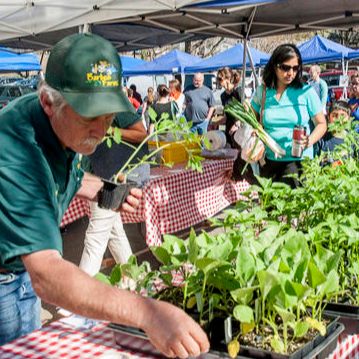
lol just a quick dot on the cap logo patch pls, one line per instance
(102, 74)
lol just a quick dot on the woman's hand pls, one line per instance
(233, 130)
(305, 142)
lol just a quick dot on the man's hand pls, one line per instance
(173, 332)
(133, 200)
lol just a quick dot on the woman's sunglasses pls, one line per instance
(287, 68)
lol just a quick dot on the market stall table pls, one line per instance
(175, 198)
(78, 338)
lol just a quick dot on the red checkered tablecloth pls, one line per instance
(347, 348)
(77, 209)
(61, 340)
(175, 198)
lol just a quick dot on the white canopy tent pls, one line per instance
(30, 18)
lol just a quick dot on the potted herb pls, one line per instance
(115, 190)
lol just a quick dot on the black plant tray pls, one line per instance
(112, 194)
(319, 348)
(348, 315)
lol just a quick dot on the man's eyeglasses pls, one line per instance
(287, 68)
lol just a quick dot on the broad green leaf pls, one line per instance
(243, 295)
(221, 251)
(301, 269)
(243, 313)
(207, 264)
(109, 142)
(102, 278)
(301, 329)
(267, 281)
(300, 290)
(353, 235)
(222, 280)
(117, 135)
(245, 265)
(152, 114)
(116, 274)
(161, 254)
(331, 285)
(173, 244)
(315, 276)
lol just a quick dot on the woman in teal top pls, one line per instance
(288, 102)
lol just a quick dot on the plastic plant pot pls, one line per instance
(315, 349)
(113, 195)
(348, 315)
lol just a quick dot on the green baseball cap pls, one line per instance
(87, 71)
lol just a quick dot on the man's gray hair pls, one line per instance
(55, 96)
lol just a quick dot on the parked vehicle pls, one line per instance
(336, 81)
(12, 91)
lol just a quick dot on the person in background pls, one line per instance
(132, 99)
(354, 100)
(163, 105)
(148, 101)
(105, 226)
(136, 95)
(228, 79)
(177, 95)
(339, 111)
(199, 102)
(320, 86)
(42, 135)
(287, 103)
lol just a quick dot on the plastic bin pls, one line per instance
(173, 152)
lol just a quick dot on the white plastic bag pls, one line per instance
(252, 148)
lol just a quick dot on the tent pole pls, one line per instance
(252, 66)
(344, 70)
(245, 49)
(244, 69)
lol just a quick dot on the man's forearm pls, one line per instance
(79, 293)
(89, 187)
(210, 113)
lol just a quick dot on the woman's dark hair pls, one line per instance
(282, 54)
(163, 90)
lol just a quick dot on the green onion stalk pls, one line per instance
(245, 114)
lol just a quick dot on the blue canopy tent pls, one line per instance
(131, 64)
(353, 54)
(13, 62)
(173, 62)
(320, 49)
(232, 58)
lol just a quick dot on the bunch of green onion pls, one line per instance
(246, 114)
